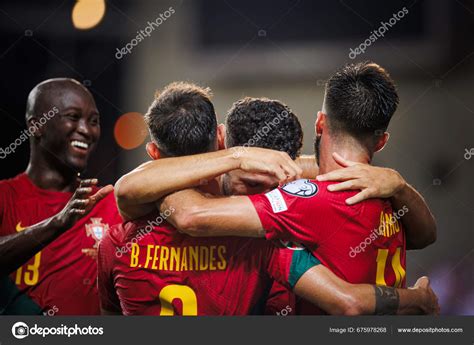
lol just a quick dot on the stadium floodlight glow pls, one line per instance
(87, 14)
(130, 130)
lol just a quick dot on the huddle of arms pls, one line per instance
(197, 214)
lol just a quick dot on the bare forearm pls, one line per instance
(337, 297)
(153, 180)
(200, 216)
(417, 219)
(16, 249)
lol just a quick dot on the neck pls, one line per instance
(45, 175)
(348, 148)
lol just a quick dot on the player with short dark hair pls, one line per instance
(265, 123)
(310, 213)
(259, 122)
(155, 272)
(50, 220)
(191, 104)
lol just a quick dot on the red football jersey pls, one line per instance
(363, 243)
(61, 278)
(151, 269)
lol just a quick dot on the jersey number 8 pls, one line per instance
(187, 296)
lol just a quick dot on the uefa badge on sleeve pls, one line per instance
(96, 229)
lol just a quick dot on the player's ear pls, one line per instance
(221, 136)
(382, 141)
(153, 151)
(33, 123)
(320, 123)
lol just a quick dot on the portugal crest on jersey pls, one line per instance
(97, 230)
(301, 188)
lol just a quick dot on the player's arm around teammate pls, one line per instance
(378, 182)
(18, 248)
(375, 182)
(199, 215)
(137, 191)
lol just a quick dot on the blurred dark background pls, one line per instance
(282, 49)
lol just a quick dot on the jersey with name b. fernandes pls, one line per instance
(363, 243)
(61, 278)
(146, 267)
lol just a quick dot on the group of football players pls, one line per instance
(225, 219)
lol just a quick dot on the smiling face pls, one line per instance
(71, 135)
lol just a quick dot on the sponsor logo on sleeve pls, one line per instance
(277, 201)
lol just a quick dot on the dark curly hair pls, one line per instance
(360, 99)
(182, 120)
(263, 122)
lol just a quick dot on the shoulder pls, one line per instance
(13, 189)
(302, 188)
(13, 184)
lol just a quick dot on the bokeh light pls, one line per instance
(87, 14)
(130, 130)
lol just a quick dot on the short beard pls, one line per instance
(317, 144)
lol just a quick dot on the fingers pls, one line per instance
(88, 183)
(346, 185)
(82, 192)
(286, 170)
(363, 195)
(342, 161)
(423, 282)
(80, 200)
(281, 175)
(85, 187)
(291, 169)
(339, 175)
(102, 193)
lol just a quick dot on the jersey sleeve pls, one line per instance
(295, 212)
(108, 296)
(286, 266)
